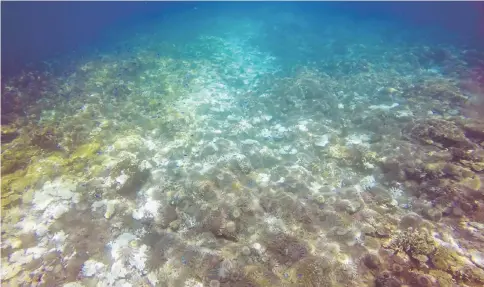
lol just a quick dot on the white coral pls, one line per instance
(367, 182)
(91, 268)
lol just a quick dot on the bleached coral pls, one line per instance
(92, 267)
(367, 182)
(55, 198)
(361, 140)
(396, 192)
(129, 259)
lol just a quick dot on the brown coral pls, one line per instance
(413, 242)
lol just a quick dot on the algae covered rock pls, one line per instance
(42, 169)
(46, 138)
(457, 265)
(128, 175)
(438, 132)
(131, 143)
(17, 157)
(86, 151)
(9, 133)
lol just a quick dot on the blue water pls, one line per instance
(242, 144)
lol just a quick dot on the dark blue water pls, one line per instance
(33, 32)
(242, 144)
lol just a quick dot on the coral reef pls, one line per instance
(214, 158)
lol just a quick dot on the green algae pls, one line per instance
(86, 151)
(17, 156)
(24, 167)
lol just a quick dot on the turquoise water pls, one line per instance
(226, 148)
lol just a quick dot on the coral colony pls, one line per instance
(225, 160)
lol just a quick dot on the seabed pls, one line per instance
(240, 152)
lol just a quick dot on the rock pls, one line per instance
(372, 261)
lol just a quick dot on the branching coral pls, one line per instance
(413, 242)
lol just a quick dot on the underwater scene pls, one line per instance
(259, 147)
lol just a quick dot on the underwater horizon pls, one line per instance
(242, 144)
